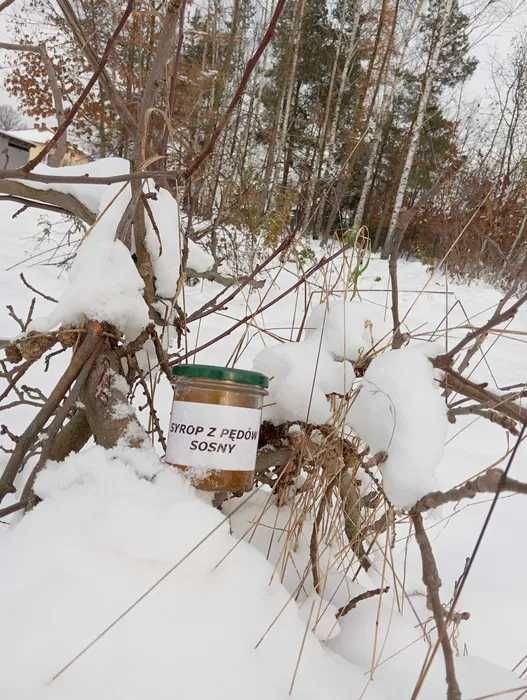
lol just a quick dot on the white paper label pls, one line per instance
(208, 436)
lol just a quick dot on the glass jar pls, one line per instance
(214, 425)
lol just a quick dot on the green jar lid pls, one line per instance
(227, 374)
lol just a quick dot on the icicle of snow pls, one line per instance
(399, 410)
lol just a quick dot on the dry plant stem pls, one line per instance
(489, 482)
(251, 65)
(84, 94)
(4, 5)
(39, 421)
(433, 583)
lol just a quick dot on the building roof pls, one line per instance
(32, 137)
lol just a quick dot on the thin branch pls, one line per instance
(321, 263)
(92, 341)
(489, 482)
(4, 5)
(433, 584)
(344, 610)
(29, 286)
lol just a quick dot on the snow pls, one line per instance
(117, 296)
(399, 410)
(88, 193)
(164, 246)
(104, 283)
(33, 136)
(301, 374)
(350, 329)
(110, 524)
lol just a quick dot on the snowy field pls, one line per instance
(106, 530)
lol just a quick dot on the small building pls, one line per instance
(20, 146)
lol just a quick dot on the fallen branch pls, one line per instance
(487, 413)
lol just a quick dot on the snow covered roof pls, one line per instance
(31, 136)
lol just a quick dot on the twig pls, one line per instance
(211, 306)
(29, 286)
(489, 482)
(344, 610)
(433, 583)
(321, 263)
(497, 317)
(487, 413)
(504, 404)
(4, 5)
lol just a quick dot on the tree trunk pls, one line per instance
(417, 127)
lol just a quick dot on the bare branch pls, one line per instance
(29, 286)
(92, 341)
(489, 482)
(31, 196)
(344, 610)
(433, 584)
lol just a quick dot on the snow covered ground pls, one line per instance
(107, 529)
